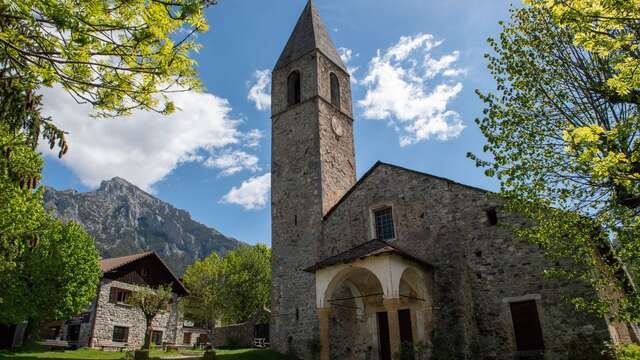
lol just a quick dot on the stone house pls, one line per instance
(399, 256)
(110, 321)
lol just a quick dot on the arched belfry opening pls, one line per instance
(335, 90)
(371, 300)
(293, 88)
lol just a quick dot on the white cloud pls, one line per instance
(444, 65)
(403, 87)
(252, 138)
(232, 162)
(144, 147)
(252, 194)
(260, 91)
(346, 54)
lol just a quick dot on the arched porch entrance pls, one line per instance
(369, 305)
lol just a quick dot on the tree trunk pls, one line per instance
(147, 334)
(30, 332)
(210, 331)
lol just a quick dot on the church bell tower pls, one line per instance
(312, 167)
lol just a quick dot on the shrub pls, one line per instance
(629, 352)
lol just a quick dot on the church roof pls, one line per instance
(370, 248)
(309, 34)
(380, 163)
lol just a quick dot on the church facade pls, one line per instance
(364, 268)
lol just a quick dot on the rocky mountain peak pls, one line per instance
(124, 220)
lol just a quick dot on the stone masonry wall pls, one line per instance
(110, 314)
(237, 335)
(479, 268)
(311, 170)
(296, 208)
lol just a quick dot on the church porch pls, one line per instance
(372, 301)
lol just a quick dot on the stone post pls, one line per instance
(392, 306)
(323, 315)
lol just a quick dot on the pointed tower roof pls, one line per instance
(309, 34)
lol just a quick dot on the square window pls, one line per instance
(384, 224)
(120, 296)
(120, 334)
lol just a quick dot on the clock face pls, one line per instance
(336, 126)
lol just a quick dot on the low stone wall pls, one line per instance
(238, 335)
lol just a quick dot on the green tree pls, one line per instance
(204, 280)
(566, 156)
(229, 290)
(151, 302)
(22, 217)
(53, 279)
(608, 28)
(247, 282)
(117, 55)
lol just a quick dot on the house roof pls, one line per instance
(379, 164)
(373, 247)
(309, 34)
(114, 264)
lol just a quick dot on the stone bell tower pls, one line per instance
(313, 166)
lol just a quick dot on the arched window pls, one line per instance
(335, 90)
(293, 87)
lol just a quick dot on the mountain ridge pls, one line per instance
(124, 219)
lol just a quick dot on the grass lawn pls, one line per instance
(90, 354)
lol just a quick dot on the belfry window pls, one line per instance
(293, 88)
(335, 90)
(384, 224)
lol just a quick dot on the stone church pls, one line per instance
(363, 267)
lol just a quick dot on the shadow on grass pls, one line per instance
(244, 354)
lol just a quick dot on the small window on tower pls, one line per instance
(384, 224)
(293, 86)
(492, 216)
(335, 90)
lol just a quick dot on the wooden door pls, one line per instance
(526, 326)
(406, 332)
(383, 336)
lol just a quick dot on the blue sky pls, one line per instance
(416, 66)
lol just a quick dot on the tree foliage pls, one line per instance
(55, 279)
(566, 155)
(609, 29)
(151, 302)
(204, 280)
(232, 289)
(115, 55)
(247, 282)
(22, 217)
(49, 269)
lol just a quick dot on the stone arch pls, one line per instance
(415, 293)
(414, 279)
(349, 275)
